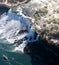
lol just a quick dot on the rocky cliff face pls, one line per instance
(13, 3)
(43, 53)
(45, 13)
(45, 17)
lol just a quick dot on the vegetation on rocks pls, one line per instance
(47, 21)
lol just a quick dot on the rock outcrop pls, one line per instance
(44, 15)
(12, 3)
(43, 53)
(3, 9)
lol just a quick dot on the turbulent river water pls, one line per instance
(15, 33)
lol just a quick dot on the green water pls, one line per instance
(14, 58)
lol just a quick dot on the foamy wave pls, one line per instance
(9, 25)
(17, 28)
(16, 25)
(20, 48)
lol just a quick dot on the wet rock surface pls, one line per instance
(43, 53)
(3, 8)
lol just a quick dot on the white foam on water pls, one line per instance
(20, 48)
(10, 26)
(11, 23)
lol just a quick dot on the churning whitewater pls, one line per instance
(15, 30)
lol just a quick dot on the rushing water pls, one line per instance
(15, 33)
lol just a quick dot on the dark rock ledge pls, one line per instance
(43, 53)
(3, 9)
